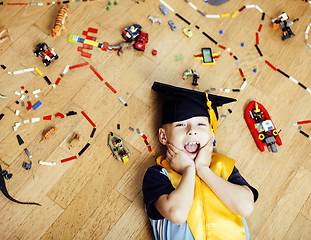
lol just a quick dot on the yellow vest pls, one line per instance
(209, 218)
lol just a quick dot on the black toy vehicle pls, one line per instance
(131, 32)
(45, 52)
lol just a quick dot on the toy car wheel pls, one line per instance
(36, 54)
(46, 63)
(56, 57)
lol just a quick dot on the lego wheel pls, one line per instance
(46, 63)
(36, 54)
(275, 133)
(261, 136)
(56, 57)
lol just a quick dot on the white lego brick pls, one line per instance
(17, 112)
(250, 6)
(22, 97)
(259, 9)
(66, 69)
(17, 93)
(26, 121)
(212, 16)
(243, 85)
(168, 6)
(47, 163)
(29, 70)
(33, 120)
(227, 90)
(293, 79)
(193, 6)
(36, 91)
(18, 72)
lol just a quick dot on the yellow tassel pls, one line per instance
(212, 115)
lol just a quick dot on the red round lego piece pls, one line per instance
(154, 52)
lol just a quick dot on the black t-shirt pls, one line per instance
(156, 183)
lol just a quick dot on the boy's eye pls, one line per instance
(202, 124)
(180, 125)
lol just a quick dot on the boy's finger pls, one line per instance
(172, 148)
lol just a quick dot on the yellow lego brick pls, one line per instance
(225, 15)
(198, 58)
(215, 54)
(125, 159)
(234, 14)
(213, 63)
(90, 42)
(38, 71)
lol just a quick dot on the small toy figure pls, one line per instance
(45, 52)
(261, 126)
(6, 175)
(74, 140)
(60, 21)
(117, 146)
(121, 46)
(155, 19)
(190, 72)
(3, 39)
(281, 21)
(48, 133)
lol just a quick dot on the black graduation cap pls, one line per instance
(180, 104)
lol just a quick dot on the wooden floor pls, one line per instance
(98, 197)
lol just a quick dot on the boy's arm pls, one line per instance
(239, 199)
(175, 206)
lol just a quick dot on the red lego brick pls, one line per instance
(85, 54)
(79, 65)
(68, 159)
(97, 74)
(59, 115)
(87, 117)
(80, 49)
(92, 30)
(105, 46)
(49, 117)
(57, 81)
(84, 33)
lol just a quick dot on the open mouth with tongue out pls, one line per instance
(192, 147)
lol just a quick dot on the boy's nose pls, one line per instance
(192, 131)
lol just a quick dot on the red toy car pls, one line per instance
(141, 42)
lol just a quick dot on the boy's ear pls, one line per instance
(162, 136)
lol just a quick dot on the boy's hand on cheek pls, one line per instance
(204, 157)
(178, 159)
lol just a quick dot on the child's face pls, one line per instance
(189, 135)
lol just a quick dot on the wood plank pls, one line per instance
(300, 229)
(284, 213)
